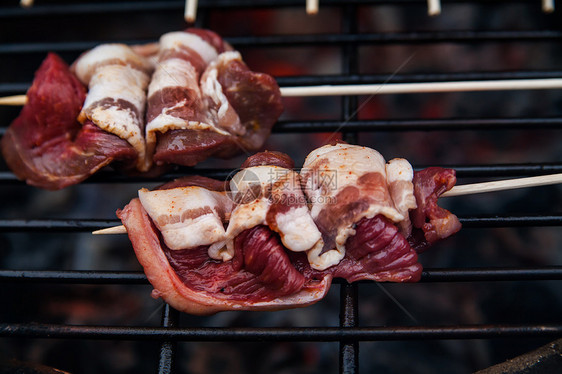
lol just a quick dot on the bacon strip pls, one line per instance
(344, 184)
(117, 78)
(189, 217)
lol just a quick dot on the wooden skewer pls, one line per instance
(312, 7)
(508, 184)
(393, 88)
(111, 230)
(17, 100)
(433, 7)
(467, 189)
(548, 6)
(190, 11)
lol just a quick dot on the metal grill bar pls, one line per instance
(89, 225)
(452, 36)
(445, 124)
(349, 302)
(322, 334)
(138, 6)
(170, 318)
(412, 78)
(428, 275)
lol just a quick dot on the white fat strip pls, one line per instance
(322, 261)
(174, 72)
(210, 85)
(178, 39)
(399, 174)
(108, 54)
(299, 232)
(117, 82)
(244, 217)
(171, 211)
(400, 170)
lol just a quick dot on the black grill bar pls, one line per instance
(349, 301)
(39, 10)
(170, 319)
(322, 334)
(463, 171)
(396, 38)
(89, 225)
(55, 225)
(442, 124)
(73, 277)
(488, 274)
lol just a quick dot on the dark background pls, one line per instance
(69, 27)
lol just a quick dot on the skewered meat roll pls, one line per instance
(204, 101)
(362, 205)
(46, 146)
(272, 254)
(251, 269)
(117, 78)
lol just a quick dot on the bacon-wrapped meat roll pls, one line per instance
(46, 146)
(275, 252)
(362, 205)
(117, 78)
(245, 267)
(204, 101)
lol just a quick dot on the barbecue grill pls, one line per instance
(492, 292)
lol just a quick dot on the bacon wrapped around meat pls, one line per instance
(200, 268)
(204, 101)
(275, 252)
(362, 206)
(117, 78)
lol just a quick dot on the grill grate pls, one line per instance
(349, 41)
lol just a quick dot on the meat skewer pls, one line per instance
(457, 190)
(202, 102)
(363, 219)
